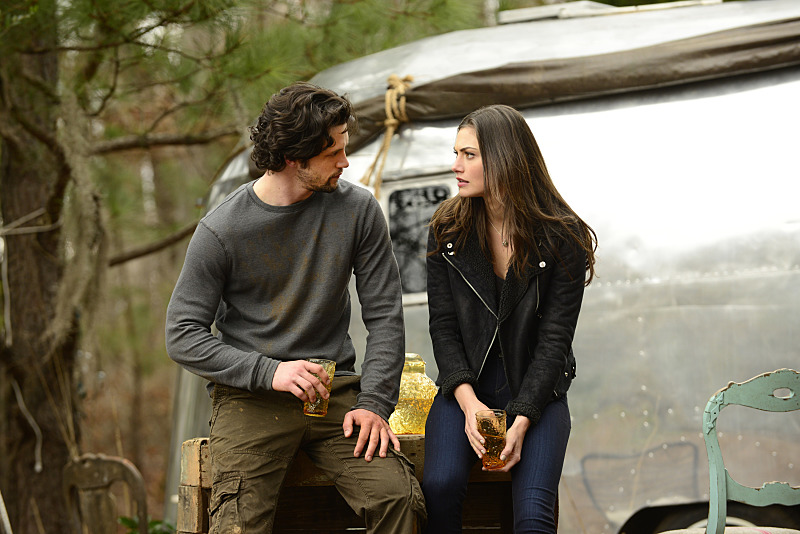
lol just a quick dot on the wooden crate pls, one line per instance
(487, 507)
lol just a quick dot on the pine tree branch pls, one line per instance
(211, 93)
(139, 87)
(151, 248)
(127, 40)
(135, 142)
(176, 16)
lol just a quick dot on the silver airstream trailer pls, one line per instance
(673, 131)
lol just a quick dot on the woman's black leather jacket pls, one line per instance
(534, 322)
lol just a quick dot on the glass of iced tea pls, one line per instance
(492, 426)
(319, 408)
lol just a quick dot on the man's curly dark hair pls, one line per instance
(295, 124)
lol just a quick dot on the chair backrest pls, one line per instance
(87, 489)
(759, 393)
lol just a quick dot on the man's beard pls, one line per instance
(312, 182)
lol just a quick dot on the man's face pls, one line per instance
(322, 172)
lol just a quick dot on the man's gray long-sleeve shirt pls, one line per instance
(275, 279)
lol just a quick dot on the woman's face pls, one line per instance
(468, 165)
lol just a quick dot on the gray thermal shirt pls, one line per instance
(274, 280)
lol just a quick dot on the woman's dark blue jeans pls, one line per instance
(449, 458)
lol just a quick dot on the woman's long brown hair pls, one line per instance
(515, 174)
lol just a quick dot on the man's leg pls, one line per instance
(253, 441)
(384, 492)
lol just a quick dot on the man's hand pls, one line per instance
(374, 431)
(296, 377)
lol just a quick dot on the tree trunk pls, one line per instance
(35, 369)
(42, 372)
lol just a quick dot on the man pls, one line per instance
(270, 266)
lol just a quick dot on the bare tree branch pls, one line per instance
(111, 90)
(10, 133)
(64, 170)
(40, 84)
(153, 247)
(5, 229)
(136, 142)
(43, 136)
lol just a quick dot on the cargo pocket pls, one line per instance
(417, 499)
(223, 510)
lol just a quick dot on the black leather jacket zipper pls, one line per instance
(497, 327)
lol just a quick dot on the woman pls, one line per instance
(508, 260)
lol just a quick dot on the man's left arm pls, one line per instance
(380, 294)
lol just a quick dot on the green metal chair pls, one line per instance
(87, 486)
(759, 393)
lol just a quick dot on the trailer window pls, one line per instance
(409, 213)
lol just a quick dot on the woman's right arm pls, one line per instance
(470, 405)
(455, 376)
(448, 345)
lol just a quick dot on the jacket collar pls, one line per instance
(475, 267)
(478, 270)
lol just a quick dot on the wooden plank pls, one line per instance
(192, 509)
(487, 507)
(314, 509)
(195, 464)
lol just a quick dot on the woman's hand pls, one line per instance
(515, 436)
(470, 404)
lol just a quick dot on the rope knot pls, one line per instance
(395, 109)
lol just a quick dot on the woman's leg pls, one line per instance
(535, 478)
(448, 460)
